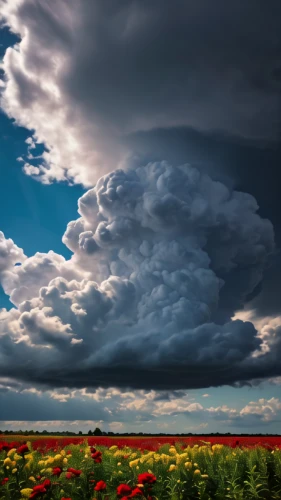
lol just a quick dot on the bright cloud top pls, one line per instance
(87, 74)
(163, 256)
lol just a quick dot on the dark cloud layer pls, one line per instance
(239, 164)
(100, 70)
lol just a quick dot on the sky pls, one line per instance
(140, 216)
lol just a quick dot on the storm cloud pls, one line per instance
(86, 75)
(163, 257)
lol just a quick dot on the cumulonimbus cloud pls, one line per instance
(162, 258)
(88, 74)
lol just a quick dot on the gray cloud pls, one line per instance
(149, 302)
(101, 71)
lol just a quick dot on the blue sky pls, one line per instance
(157, 309)
(33, 215)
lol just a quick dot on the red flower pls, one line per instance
(146, 478)
(136, 492)
(57, 471)
(6, 446)
(75, 472)
(4, 481)
(47, 483)
(23, 449)
(40, 489)
(97, 456)
(66, 498)
(124, 489)
(100, 486)
(68, 452)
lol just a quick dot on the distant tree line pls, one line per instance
(99, 432)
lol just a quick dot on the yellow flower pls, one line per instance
(26, 492)
(172, 450)
(11, 452)
(178, 481)
(58, 458)
(49, 470)
(41, 462)
(9, 463)
(119, 463)
(197, 471)
(42, 470)
(195, 464)
(172, 467)
(134, 463)
(62, 453)
(165, 458)
(120, 472)
(204, 476)
(65, 461)
(188, 465)
(32, 478)
(140, 485)
(113, 448)
(14, 470)
(217, 447)
(118, 453)
(181, 457)
(17, 457)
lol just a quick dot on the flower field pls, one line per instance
(104, 468)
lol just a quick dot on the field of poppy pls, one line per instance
(160, 468)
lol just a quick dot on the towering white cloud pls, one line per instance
(148, 295)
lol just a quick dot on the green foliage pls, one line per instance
(204, 473)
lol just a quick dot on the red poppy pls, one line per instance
(22, 449)
(57, 471)
(40, 488)
(100, 486)
(124, 489)
(75, 472)
(6, 446)
(136, 492)
(146, 478)
(5, 480)
(97, 457)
